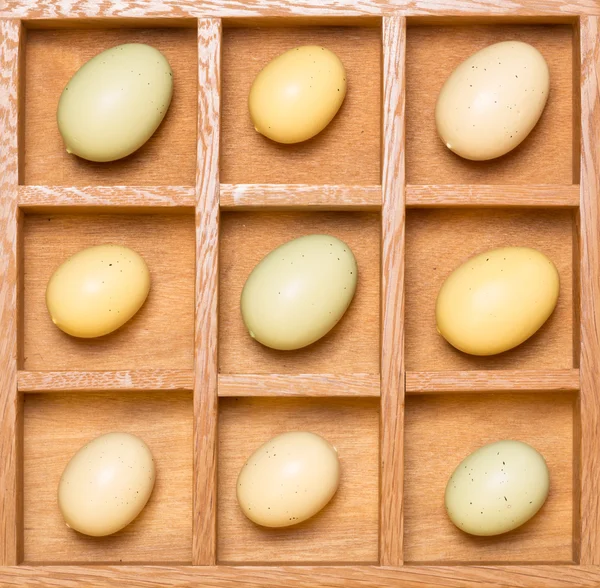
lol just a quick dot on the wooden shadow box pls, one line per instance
(203, 201)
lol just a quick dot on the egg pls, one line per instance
(497, 488)
(297, 94)
(496, 300)
(97, 290)
(299, 291)
(115, 102)
(492, 101)
(288, 480)
(106, 484)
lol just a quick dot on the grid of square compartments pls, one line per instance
(203, 201)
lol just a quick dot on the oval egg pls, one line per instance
(97, 290)
(492, 101)
(288, 480)
(297, 94)
(299, 291)
(106, 484)
(497, 488)
(115, 102)
(496, 300)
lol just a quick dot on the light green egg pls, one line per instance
(115, 102)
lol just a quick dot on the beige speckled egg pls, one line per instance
(115, 102)
(106, 484)
(288, 480)
(297, 94)
(492, 101)
(97, 290)
(497, 488)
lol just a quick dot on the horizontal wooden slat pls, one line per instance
(50, 9)
(492, 381)
(126, 380)
(137, 576)
(305, 196)
(298, 385)
(431, 196)
(42, 197)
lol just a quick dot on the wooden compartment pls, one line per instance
(53, 56)
(57, 425)
(549, 155)
(441, 430)
(160, 335)
(352, 346)
(346, 152)
(346, 530)
(439, 240)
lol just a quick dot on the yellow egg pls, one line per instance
(115, 102)
(288, 480)
(299, 291)
(97, 290)
(497, 488)
(492, 101)
(496, 300)
(297, 94)
(106, 484)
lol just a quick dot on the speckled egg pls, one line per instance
(106, 484)
(497, 488)
(492, 101)
(288, 480)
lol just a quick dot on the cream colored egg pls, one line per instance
(492, 101)
(288, 480)
(115, 102)
(497, 488)
(496, 300)
(106, 484)
(297, 94)
(97, 290)
(299, 291)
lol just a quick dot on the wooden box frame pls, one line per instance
(393, 197)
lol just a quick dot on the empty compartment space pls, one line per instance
(57, 425)
(346, 530)
(546, 156)
(352, 346)
(440, 240)
(51, 59)
(441, 430)
(160, 335)
(347, 151)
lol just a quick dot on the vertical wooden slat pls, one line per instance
(392, 294)
(10, 405)
(590, 292)
(204, 545)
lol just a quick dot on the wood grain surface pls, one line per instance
(346, 529)
(58, 425)
(300, 196)
(352, 346)
(124, 380)
(590, 291)
(10, 404)
(392, 294)
(160, 335)
(545, 157)
(53, 56)
(207, 293)
(439, 240)
(346, 152)
(442, 430)
(480, 195)
(44, 9)
(302, 385)
(450, 382)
